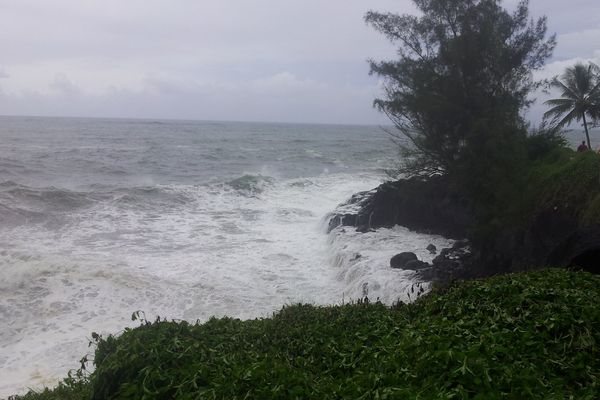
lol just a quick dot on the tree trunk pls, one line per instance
(587, 135)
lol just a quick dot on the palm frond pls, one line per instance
(580, 87)
(595, 92)
(560, 102)
(569, 92)
(573, 115)
(557, 111)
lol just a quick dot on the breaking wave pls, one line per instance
(251, 184)
(162, 217)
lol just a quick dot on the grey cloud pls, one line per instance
(296, 60)
(582, 43)
(282, 95)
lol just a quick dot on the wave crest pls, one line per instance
(251, 184)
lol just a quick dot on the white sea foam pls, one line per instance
(362, 261)
(220, 254)
(134, 230)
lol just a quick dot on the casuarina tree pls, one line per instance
(460, 81)
(580, 96)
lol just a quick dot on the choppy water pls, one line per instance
(100, 218)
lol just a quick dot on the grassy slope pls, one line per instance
(567, 179)
(533, 335)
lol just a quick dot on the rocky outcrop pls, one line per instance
(416, 265)
(454, 263)
(424, 206)
(400, 260)
(561, 227)
(451, 264)
(556, 237)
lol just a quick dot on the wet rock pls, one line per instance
(431, 248)
(400, 260)
(341, 220)
(347, 213)
(416, 265)
(454, 263)
(426, 206)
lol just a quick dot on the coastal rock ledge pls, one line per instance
(427, 207)
(451, 264)
(559, 233)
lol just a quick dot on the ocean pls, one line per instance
(100, 218)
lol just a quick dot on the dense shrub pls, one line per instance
(541, 143)
(532, 335)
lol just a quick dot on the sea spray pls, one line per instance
(362, 260)
(100, 218)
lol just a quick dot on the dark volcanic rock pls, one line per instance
(416, 265)
(347, 213)
(553, 233)
(555, 238)
(400, 260)
(580, 250)
(454, 263)
(343, 220)
(431, 248)
(426, 206)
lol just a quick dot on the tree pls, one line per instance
(462, 78)
(580, 96)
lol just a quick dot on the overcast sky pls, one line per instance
(244, 60)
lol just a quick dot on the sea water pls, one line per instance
(186, 220)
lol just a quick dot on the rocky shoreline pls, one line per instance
(552, 235)
(423, 206)
(426, 207)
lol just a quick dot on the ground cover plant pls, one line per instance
(567, 179)
(528, 335)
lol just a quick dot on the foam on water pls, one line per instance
(363, 261)
(185, 252)
(182, 220)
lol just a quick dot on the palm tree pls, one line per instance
(580, 86)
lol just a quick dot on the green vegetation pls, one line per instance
(456, 95)
(567, 180)
(456, 91)
(530, 335)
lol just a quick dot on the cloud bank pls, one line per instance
(265, 60)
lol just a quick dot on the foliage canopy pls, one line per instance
(461, 80)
